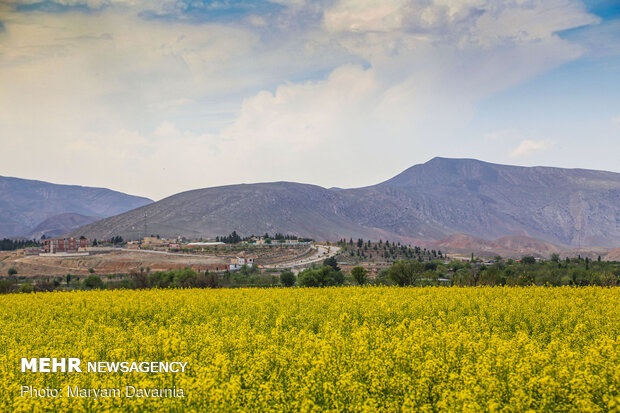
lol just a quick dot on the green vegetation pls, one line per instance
(527, 271)
(325, 276)
(235, 238)
(360, 275)
(288, 279)
(12, 245)
(93, 282)
(367, 251)
(420, 271)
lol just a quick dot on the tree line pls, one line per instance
(415, 272)
(7, 244)
(234, 238)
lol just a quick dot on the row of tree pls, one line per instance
(234, 238)
(527, 271)
(7, 244)
(364, 251)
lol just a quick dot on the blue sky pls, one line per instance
(156, 97)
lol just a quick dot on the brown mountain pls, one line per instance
(60, 224)
(24, 204)
(613, 255)
(527, 245)
(508, 246)
(465, 243)
(564, 207)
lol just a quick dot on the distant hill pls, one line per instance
(60, 224)
(507, 246)
(613, 255)
(427, 202)
(248, 209)
(25, 204)
(526, 245)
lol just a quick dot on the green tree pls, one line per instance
(406, 272)
(12, 271)
(93, 282)
(185, 278)
(6, 286)
(360, 274)
(25, 288)
(325, 276)
(332, 262)
(288, 279)
(528, 259)
(383, 277)
(490, 276)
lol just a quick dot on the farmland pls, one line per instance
(114, 261)
(338, 349)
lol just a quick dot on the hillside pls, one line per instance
(427, 202)
(60, 224)
(508, 246)
(248, 209)
(25, 204)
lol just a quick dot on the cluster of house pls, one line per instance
(238, 263)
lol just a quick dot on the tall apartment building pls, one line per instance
(65, 244)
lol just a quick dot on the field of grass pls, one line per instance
(335, 349)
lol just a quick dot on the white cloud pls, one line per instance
(504, 135)
(156, 106)
(529, 147)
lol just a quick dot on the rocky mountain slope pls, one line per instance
(24, 204)
(513, 246)
(427, 202)
(59, 224)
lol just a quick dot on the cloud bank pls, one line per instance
(156, 97)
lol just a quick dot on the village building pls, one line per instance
(238, 262)
(152, 242)
(54, 245)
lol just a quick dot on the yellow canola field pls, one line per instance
(336, 349)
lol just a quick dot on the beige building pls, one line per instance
(152, 241)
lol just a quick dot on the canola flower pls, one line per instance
(373, 349)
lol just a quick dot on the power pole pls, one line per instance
(145, 225)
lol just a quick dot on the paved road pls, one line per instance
(321, 252)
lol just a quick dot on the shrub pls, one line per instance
(325, 276)
(406, 272)
(6, 286)
(288, 279)
(360, 274)
(93, 282)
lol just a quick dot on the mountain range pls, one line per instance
(426, 203)
(31, 208)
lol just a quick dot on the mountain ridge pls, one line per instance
(426, 202)
(26, 203)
